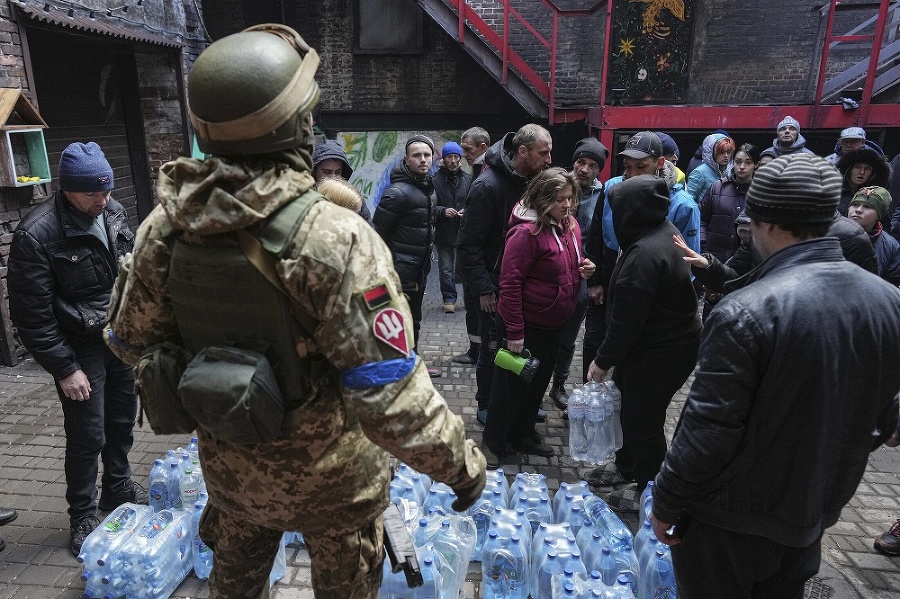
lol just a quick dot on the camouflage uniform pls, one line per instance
(328, 477)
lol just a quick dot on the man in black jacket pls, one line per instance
(796, 383)
(63, 263)
(451, 185)
(509, 163)
(405, 220)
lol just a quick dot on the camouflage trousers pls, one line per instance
(343, 567)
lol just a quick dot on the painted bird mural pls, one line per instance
(651, 22)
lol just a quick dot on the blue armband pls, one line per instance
(376, 374)
(111, 337)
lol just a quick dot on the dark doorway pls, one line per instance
(87, 90)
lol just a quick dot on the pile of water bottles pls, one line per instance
(595, 429)
(529, 545)
(146, 551)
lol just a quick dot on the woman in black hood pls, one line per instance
(861, 168)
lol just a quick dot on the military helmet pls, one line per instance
(252, 92)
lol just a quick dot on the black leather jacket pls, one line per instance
(60, 280)
(796, 383)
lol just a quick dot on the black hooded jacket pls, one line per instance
(483, 231)
(405, 220)
(651, 301)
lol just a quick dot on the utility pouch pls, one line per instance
(158, 373)
(234, 395)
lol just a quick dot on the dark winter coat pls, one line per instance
(881, 174)
(887, 249)
(451, 189)
(798, 146)
(539, 280)
(651, 301)
(482, 235)
(774, 439)
(405, 220)
(61, 278)
(718, 209)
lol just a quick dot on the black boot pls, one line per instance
(470, 357)
(558, 393)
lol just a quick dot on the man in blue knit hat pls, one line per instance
(63, 263)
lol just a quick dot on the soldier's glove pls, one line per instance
(468, 495)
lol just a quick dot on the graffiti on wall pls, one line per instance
(650, 50)
(373, 154)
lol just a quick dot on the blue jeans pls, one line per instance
(102, 425)
(446, 266)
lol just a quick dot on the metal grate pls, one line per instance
(816, 589)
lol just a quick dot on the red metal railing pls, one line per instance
(830, 40)
(509, 57)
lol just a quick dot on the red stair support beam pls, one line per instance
(461, 28)
(553, 50)
(505, 41)
(873, 62)
(820, 84)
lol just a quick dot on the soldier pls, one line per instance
(341, 353)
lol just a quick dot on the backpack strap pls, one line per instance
(269, 241)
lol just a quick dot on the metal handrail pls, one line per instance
(547, 89)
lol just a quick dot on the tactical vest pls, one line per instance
(221, 299)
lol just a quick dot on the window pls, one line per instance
(389, 27)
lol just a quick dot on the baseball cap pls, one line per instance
(642, 145)
(853, 133)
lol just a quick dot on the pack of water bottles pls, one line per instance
(444, 539)
(595, 428)
(572, 545)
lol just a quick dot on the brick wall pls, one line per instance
(157, 71)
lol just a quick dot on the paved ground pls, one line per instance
(37, 563)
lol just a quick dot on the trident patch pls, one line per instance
(389, 328)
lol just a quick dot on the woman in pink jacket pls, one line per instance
(539, 282)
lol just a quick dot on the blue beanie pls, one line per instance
(83, 168)
(451, 147)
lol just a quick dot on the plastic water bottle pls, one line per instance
(203, 555)
(578, 443)
(660, 580)
(189, 488)
(596, 440)
(504, 569)
(158, 486)
(607, 565)
(621, 590)
(615, 397)
(440, 497)
(174, 486)
(550, 565)
(643, 535)
(193, 450)
(481, 512)
(617, 534)
(647, 500)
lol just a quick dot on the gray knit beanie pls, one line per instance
(83, 168)
(794, 189)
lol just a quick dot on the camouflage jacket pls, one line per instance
(330, 473)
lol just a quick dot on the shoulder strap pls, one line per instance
(273, 237)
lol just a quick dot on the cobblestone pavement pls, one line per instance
(37, 564)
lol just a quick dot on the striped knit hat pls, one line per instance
(794, 189)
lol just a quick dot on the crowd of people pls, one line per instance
(245, 251)
(544, 253)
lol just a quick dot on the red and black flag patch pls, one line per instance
(377, 297)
